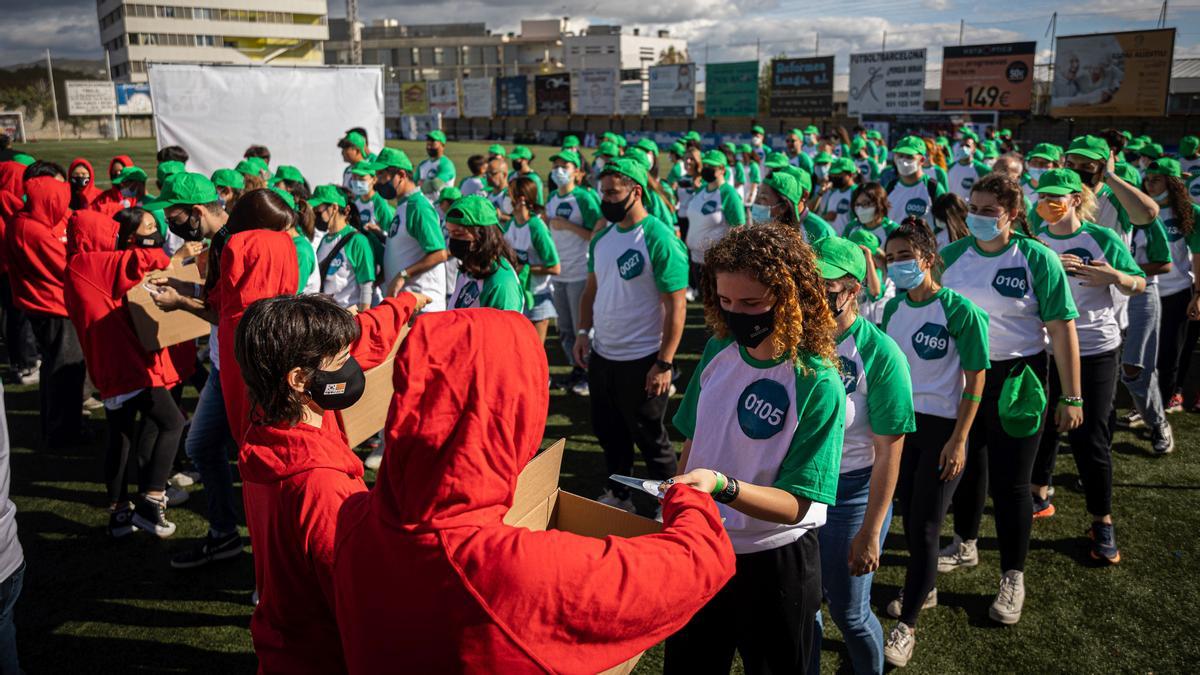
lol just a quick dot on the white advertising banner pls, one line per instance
(91, 97)
(595, 92)
(630, 101)
(215, 112)
(673, 90)
(479, 97)
(887, 82)
(443, 98)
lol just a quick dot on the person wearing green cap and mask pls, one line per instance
(864, 161)
(375, 213)
(879, 412)
(346, 261)
(1121, 206)
(675, 155)
(913, 191)
(713, 209)
(303, 231)
(837, 189)
(522, 166)
(229, 184)
(798, 150)
(252, 177)
(1021, 285)
(128, 189)
(530, 239)
(782, 200)
(354, 150)
(1189, 155)
(753, 173)
(487, 274)
(414, 252)
(1098, 264)
(438, 166)
(967, 168)
(944, 339)
(878, 147)
(1040, 159)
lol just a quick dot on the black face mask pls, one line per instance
(1088, 178)
(615, 212)
(385, 190)
(337, 389)
(431, 152)
(750, 329)
(832, 298)
(189, 230)
(708, 174)
(155, 240)
(841, 181)
(80, 182)
(321, 222)
(459, 248)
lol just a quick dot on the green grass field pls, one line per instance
(98, 606)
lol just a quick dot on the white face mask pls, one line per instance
(865, 214)
(359, 188)
(907, 167)
(821, 170)
(756, 141)
(962, 152)
(760, 214)
(561, 175)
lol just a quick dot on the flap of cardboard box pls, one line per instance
(157, 329)
(368, 416)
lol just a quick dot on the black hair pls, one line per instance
(487, 248)
(5, 141)
(1116, 140)
(919, 235)
(361, 132)
(276, 335)
(475, 164)
(951, 210)
(43, 168)
(128, 221)
(528, 190)
(259, 151)
(173, 153)
(305, 218)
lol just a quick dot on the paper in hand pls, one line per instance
(654, 488)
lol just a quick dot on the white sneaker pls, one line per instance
(581, 388)
(92, 403)
(374, 459)
(610, 499)
(1006, 608)
(31, 376)
(964, 555)
(896, 606)
(690, 294)
(899, 646)
(185, 479)
(176, 496)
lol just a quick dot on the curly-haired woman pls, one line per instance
(763, 413)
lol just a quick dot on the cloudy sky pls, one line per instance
(717, 30)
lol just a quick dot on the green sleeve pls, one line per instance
(674, 174)
(589, 208)
(876, 168)
(732, 206)
(1193, 240)
(358, 253)
(805, 162)
(1157, 248)
(306, 258)
(685, 417)
(542, 242)
(814, 459)
(755, 173)
(981, 169)
(953, 251)
(889, 309)
(1115, 250)
(592, 247)
(1122, 214)
(940, 188)
(968, 325)
(503, 290)
(889, 384)
(445, 171)
(541, 190)
(1055, 302)
(668, 256)
(424, 226)
(384, 212)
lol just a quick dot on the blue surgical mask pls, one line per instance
(560, 175)
(1160, 198)
(906, 274)
(983, 228)
(359, 188)
(760, 213)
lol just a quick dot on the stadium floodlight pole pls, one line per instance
(108, 69)
(884, 47)
(817, 46)
(355, 33)
(53, 95)
(962, 24)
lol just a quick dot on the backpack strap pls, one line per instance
(327, 261)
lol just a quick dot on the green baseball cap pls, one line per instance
(291, 173)
(989, 149)
(1047, 151)
(678, 148)
(627, 167)
(730, 146)
(757, 129)
(911, 145)
(23, 159)
(391, 158)
(858, 145)
(1135, 146)
(640, 156)
(838, 257)
(1152, 150)
(261, 164)
(520, 152)
(692, 136)
(966, 132)
(286, 197)
(823, 157)
(620, 140)
(714, 158)
(570, 141)
(167, 169)
(1188, 145)
(228, 178)
(647, 145)
(609, 136)
(364, 168)
(327, 194)
(789, 187)
(130, 173)
(1128, 135)
(873, 134)
(795, 172)
(449, 192)
(1022, 404)
(843, 165)
(436, 135)
(1127, 172)
(1005, 133)
(744, 148)
(607, 149)
(863, 237)
(1091, 147)
(777, 160)
(186, 189)
(1145, 138)
(246, 168)
(1165, 166)
(497, 150)
(356, 139)
(569, 156)
(812, 129)
(1059, 182)
(472, 211)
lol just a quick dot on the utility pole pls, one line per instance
(1052, 31)
(757, 50)
(817, 46)
(53, 95)
(962, 24)
(108, 69)
(355, 33)
(884, 47)
(1162, 16)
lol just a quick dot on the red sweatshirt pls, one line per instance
(37, 247)
(12, 200)
(123, 159)
(84, 198)
(428, 576)
(98, 276)
(295, 480)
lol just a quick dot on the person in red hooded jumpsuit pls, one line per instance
(18, 334)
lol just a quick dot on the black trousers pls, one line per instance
(1172, 343)
(18, 333)
(923, 499)
(767, 613)
(624, 416)
(155, 438)
(62, 375)
(1091, 442)
(1000, 465)
(1187, 383)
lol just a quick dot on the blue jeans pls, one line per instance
(849, 597)
(1141, 351)
(207, 445)
(10, 590)
(567, 295)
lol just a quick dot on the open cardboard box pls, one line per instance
(157, 329)
(539, 504)
(368, 416)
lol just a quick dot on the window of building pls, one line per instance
(592, 49)
(138, 66)
(204, 14)
(439, 56)
(416, 56)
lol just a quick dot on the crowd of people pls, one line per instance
(899, 330)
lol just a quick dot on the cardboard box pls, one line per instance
(157, 329)
(368, 416)
(539, 504)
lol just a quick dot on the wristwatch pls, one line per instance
(583, 332)
(730, 493)
(665, 365)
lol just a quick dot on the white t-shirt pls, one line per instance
(910, 200)
(415, 232)
(837, 202)
(471, 185)
(710, 214)
(961, 177)
(581, 208)
(1181, 276)
(878, 392)
(534, 246)
(351, 274)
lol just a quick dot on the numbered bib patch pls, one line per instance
(968, 182)
(1011, 282)
(843, 207)
(762, 409)
(709, 208)
(564, 210)
(849, 375)
(630, 264)
(335, 265)
(468, 296)
(1174, 234)
(916, 207)
(1081, 253)
(1194, 190)
(522, 256)
(932, 342)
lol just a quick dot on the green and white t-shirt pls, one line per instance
(532, 243)
(878, 392)
(776, 423)
(1181, 276)
(1189, 165)
(1149, 245)
(500, 200)
(472, 185)
(868, 168)
(415, 232)
(962, 177)
(753, 178)
(804, 160)
(814, 227)
(1020, 288)
(306, 255)
(350, 278)
(441, 168)
(913, 200)
(374, 210)
(710, 214)
(941, 337)
(683, 194)
(674, 174)
(1097, 324)
(581, 208)
(885, 228)
(633, 268)
(1194, 188)
(1109, 213)
(499, 290)
(837, 203)
(871, 308)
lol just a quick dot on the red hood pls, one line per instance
(455, 443)
(91, 191)
(90, 232)
(257, 264)
(124, 159)
(273, 453)
(47, 200)
(12, 178)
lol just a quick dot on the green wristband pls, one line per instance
(1072, 401)
(972, 397)
(722, 483)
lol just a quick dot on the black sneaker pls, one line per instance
(151, 515)
(213, 548)
(120, 522)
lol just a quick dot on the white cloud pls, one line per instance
(937, 5)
